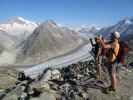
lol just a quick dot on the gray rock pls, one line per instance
(131, 98)
(55, 74)
(47, 76)
(45, 96)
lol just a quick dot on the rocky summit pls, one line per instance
(74, 82)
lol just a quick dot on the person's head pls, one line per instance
(115, 35)
(97, 39)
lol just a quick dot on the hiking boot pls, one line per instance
(108, 90)
(105, 90)
(111, 89)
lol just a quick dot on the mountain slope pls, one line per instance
(49, 40)
(7, 49)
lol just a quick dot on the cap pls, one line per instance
(116, 34)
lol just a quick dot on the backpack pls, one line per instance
(123, 51)
(104, 52)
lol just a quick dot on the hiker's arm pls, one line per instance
(91, 42)
(105, 45)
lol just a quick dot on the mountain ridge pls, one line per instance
(124, 26)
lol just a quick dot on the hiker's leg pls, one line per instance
(113, 77)
(98, 72)
(99, 69)
(109, 68)
(112, 74)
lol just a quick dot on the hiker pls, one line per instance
(113, 49)
(97, 55)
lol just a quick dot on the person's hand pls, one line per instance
(101, 38)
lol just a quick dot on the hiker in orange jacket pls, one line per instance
(113, 49)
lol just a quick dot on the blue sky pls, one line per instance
(68, 12)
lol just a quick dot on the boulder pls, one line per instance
(55, 74)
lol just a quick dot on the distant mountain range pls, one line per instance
(34, 42)
(124, 26)
(85, 29)
(26, 41)
(88, 29)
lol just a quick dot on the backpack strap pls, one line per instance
(116, 59)
(112, 50)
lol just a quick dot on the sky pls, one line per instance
(68, 12)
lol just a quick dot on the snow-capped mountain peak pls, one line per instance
(126, 21)
(19, 20)
(17, 26)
